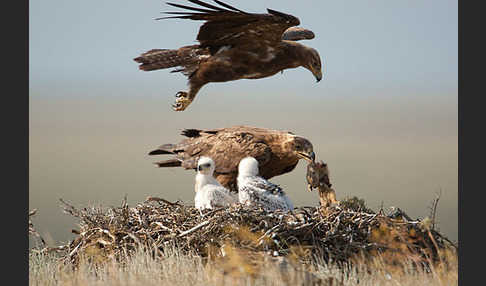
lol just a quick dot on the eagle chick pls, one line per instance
(255, 190)
(210, 193)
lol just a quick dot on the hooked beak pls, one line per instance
(318, 76)
(308, 157)
(317, 73)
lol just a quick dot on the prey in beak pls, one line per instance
(318, 178)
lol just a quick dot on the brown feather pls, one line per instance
(318, 178)
(232, 26)
(227, 146)
(168, 163)
(233, 45)
(297, 34)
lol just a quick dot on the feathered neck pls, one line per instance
(202, 180)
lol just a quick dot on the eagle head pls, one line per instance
(206, 166)
(248, 166)
(302, 148)
(312, 62)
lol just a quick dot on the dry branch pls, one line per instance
(341, 233)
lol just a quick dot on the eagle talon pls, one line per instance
(180, 94)
(182, 101)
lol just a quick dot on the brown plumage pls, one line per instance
(277, 152)
(234, 45)
(318, 178)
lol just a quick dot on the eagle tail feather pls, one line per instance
(191, 133)
(164, 149)
(160, 152)
(159, 59)
(169, 163)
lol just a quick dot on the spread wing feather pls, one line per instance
(231, 26)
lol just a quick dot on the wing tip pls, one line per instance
(190, 132)
(294, 20)
(155, 152)
(168, 163)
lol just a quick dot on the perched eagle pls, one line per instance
(233, 45)
(318, 178)
(255, 190)
(210, 193)
(277, 152)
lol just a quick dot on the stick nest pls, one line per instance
(339, 233)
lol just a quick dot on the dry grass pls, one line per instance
(175, 268)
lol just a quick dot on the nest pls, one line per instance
(339, 233)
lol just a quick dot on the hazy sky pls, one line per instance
(384, 117)
(88, 46)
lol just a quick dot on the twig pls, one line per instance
(433, 209)
(193, 229)
(32, 230)
(156, 199)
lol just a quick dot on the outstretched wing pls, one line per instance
(227, 25)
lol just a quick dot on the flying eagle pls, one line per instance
(255, 190)
(277, 152)
(233, 45)
(318, 178)
(209, 192)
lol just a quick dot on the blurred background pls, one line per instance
(384, 117)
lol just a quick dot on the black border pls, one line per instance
(470, 142)
(15, 142)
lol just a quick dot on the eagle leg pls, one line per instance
(183, 99)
